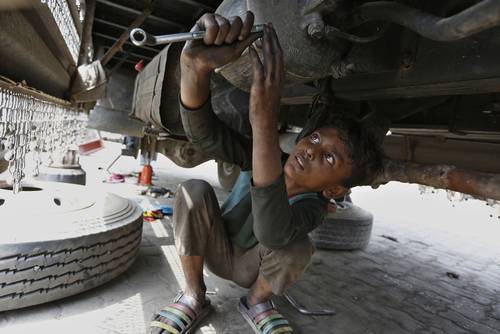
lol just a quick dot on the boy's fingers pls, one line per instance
(258, 69)
(268, 53)
(196, 27)
(276, 43)
(242, 45)
(247, 25)
(278, 55)
(208, 23)
(200, 23)
(234, 31)
(224, 28)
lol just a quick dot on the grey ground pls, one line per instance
(398, 284)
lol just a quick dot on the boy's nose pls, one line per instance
(310, 153)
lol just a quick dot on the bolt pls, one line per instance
(316, 30)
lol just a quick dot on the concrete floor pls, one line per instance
(401, 283)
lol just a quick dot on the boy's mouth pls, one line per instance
(300, 161)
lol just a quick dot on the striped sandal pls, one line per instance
(181, 317)
(264, 318)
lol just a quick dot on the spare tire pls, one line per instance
(349, 228)
(59, 239)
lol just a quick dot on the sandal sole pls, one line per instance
(203, 314)
(205, 311)
(242, 310)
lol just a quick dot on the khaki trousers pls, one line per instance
(199, 230)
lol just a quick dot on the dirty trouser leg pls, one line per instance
(199, 228)
(280, 268)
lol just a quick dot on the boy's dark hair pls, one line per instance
(362, 147)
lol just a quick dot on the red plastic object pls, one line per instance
(139, 66)
(90, 147)
(146, 175)
(116, 178)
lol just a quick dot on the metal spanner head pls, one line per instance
(140, 37)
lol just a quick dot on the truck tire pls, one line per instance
(228, 174)
(349, 228)
(68, 242)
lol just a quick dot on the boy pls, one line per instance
(258, 239)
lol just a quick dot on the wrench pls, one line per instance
(140, 37)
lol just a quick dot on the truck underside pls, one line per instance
(421, 75)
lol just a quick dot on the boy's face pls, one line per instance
(319, 162)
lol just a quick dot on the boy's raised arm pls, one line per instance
(224, 42)
(265, 97)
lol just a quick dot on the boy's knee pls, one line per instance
(193, 192)
(195, 210)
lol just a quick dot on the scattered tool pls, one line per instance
(167, 210)
(304, 311)
(113, 162)
(140, 37)
(152, 215)
(156, 192)
(115, 178)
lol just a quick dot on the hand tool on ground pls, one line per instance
(304, 311)
(140, 37)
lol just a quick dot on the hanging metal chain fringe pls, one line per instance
(29, 124)
(62, 15)
(81, 10)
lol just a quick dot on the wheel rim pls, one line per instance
(57, 209)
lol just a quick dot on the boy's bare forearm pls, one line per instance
(195, 85)
(265, 97)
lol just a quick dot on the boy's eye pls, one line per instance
(315, 138)
(330, 158)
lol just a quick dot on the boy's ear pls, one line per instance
(335, 192)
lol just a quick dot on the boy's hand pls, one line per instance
(265, 93)
(225, 40)
(265, 97)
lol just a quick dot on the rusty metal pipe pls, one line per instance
(481, 185)
(86, 49)
(479, 17)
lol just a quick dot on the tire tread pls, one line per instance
(49, 273)
(349, 230)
